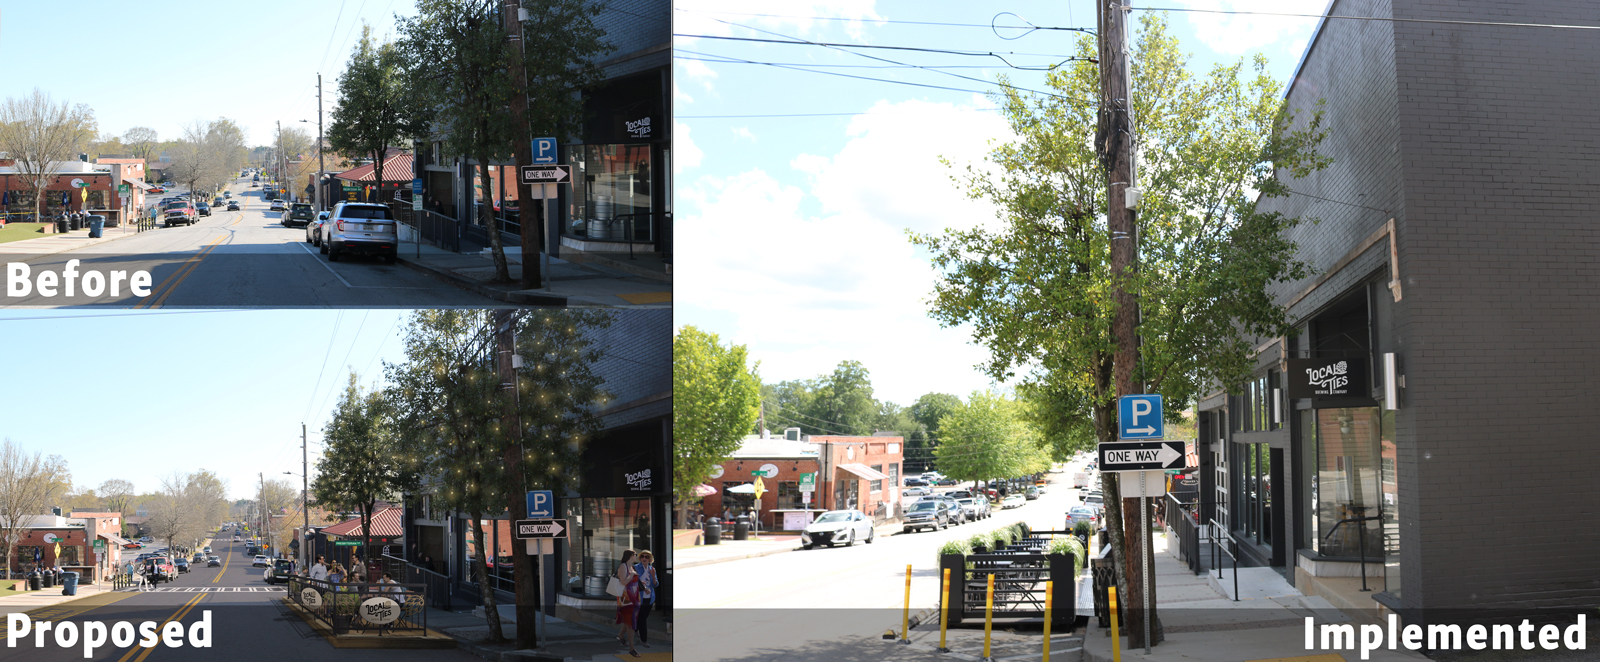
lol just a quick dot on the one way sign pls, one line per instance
(1141, 455)
(546, 174)
(541, 528)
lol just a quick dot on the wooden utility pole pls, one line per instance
(522, 568)
(523, 153)
(1115, 144)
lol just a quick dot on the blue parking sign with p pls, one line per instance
(1139, 417)
(541, 504)
(544, 151)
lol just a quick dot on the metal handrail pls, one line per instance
(1361, 542)
(1232, 554)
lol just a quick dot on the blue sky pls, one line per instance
(254, 63)
(791, 230)
(140, 395)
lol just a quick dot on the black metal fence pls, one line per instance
(1105, 577)
(437, 229)
(1217, 532)
(437, 586)
(1185, 525)
(1020, 572)
(363, 608)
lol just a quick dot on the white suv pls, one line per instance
(360, 227)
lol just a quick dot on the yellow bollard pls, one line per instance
(1116, 640)
(988, 617)
(905, 618)
(1049, 599)
(944, 609)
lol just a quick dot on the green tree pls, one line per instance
(373, 97)
(928, 410)
(1038, 288)
(785, 405)
(363, 460)
(843, 400)
(715, 401)
(989, 438)
(452, 411)
(462, 66)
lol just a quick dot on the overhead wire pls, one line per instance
(868, 20)
(1508, 24)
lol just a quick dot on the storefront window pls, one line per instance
(498, 547)
(789, 495)
(603, 529)
(877, 485)
(1347, 482)
(610, 192)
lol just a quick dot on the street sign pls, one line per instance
(347, 543)
(1141, 455)
(544, 151)
(541, 504)
(808, 482)
(1139, 417)
(416, 186)
(541, 528)
(99, 544)
(546, 174)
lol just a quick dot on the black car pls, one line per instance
(183, 565)
(233, 206)
(203, 208)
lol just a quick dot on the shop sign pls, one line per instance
(1327, 378)
(638, 481)
(52, 538)
(716, 471)
(380, 611)
(639, 128)
(808, 482)
(310, 598)
(767, 470)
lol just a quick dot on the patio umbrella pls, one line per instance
(742, 489)
(704, 490)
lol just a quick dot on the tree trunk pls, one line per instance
(502, 273)
(491, 613)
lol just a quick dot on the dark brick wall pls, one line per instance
(637, 363)
(1480, 141)
(634, 26)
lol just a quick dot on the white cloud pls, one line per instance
(685, 153)
(744, 132)
(809, 291)
(1236, 34)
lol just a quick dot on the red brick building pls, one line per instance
(852, 472)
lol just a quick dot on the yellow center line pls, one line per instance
(176, 615)
(184, 271)
(179, 618)
(225, 563)
(168, 279)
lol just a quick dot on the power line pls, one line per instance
(708, 117)
(880, 20)
(869, 66)
(331, 34)
(1340, 202)
(869, 78)
(1375, 18)
(944, 51)
(325, 354)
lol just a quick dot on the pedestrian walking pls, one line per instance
(626, 589)
(647, 594)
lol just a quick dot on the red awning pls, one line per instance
(385, 524)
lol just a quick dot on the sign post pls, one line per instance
(1139, 417)
(541, 532)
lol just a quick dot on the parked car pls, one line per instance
(916, 491)
(277, 205)
(179, 211)
(301, 212)
(958, 515)
(1083, 514)
(164, 567)
(227, 194)
(314, 229)
(254, 185)
(927, 514)
(157, 189)
(969, 508)
(837, 526)
(914, 481)
(233, 205)
(259, 562)
(203, 208)
(984, 508)
(361, 227)
(1030, 493)
(278, 571)
(182, 564)
(1095, 499)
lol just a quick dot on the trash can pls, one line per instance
(741, 530)
(69, 583)
(48, 579)
(61, 226)
(34, 582)
(713, 531)
(97, 224)
(73, 223)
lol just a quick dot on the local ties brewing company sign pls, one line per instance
(1327, 378)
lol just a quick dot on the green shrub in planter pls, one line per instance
(1083, 529)
(979, 540)
(1069, 545)
(1001, 537)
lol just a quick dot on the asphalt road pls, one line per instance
(248, 622)
(244, 258)
(785, 605)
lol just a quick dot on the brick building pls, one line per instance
(1438, 382)
(862, 473)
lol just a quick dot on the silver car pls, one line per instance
(314, 229)
(361, 227)
(843, 527)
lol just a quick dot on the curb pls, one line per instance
(478, 288)
(751, 555)
(925, 615)
(35, 256)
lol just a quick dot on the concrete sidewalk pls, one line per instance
(596, 282)
(1202, 621)
(50, 244)
(564, 641)
(48, 597)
